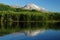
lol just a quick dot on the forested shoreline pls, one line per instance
(28, 16)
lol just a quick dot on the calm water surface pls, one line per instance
(32, 31)
(34, 35)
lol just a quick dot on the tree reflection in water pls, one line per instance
(27, 27)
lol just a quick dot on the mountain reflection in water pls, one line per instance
(46, 35)
(30, 31)
(33, 32)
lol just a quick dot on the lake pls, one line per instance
(30, 31)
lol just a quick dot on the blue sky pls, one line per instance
(51, 5)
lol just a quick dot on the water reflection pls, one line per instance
(36, 27)
(33, 32)
(30, 30)
(46, 35)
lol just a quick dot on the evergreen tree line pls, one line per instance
(28, 16)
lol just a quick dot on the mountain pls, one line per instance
(16, 8)
(34, 7)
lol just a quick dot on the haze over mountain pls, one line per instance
(15, 6)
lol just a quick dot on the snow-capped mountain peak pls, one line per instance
(33, 6)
